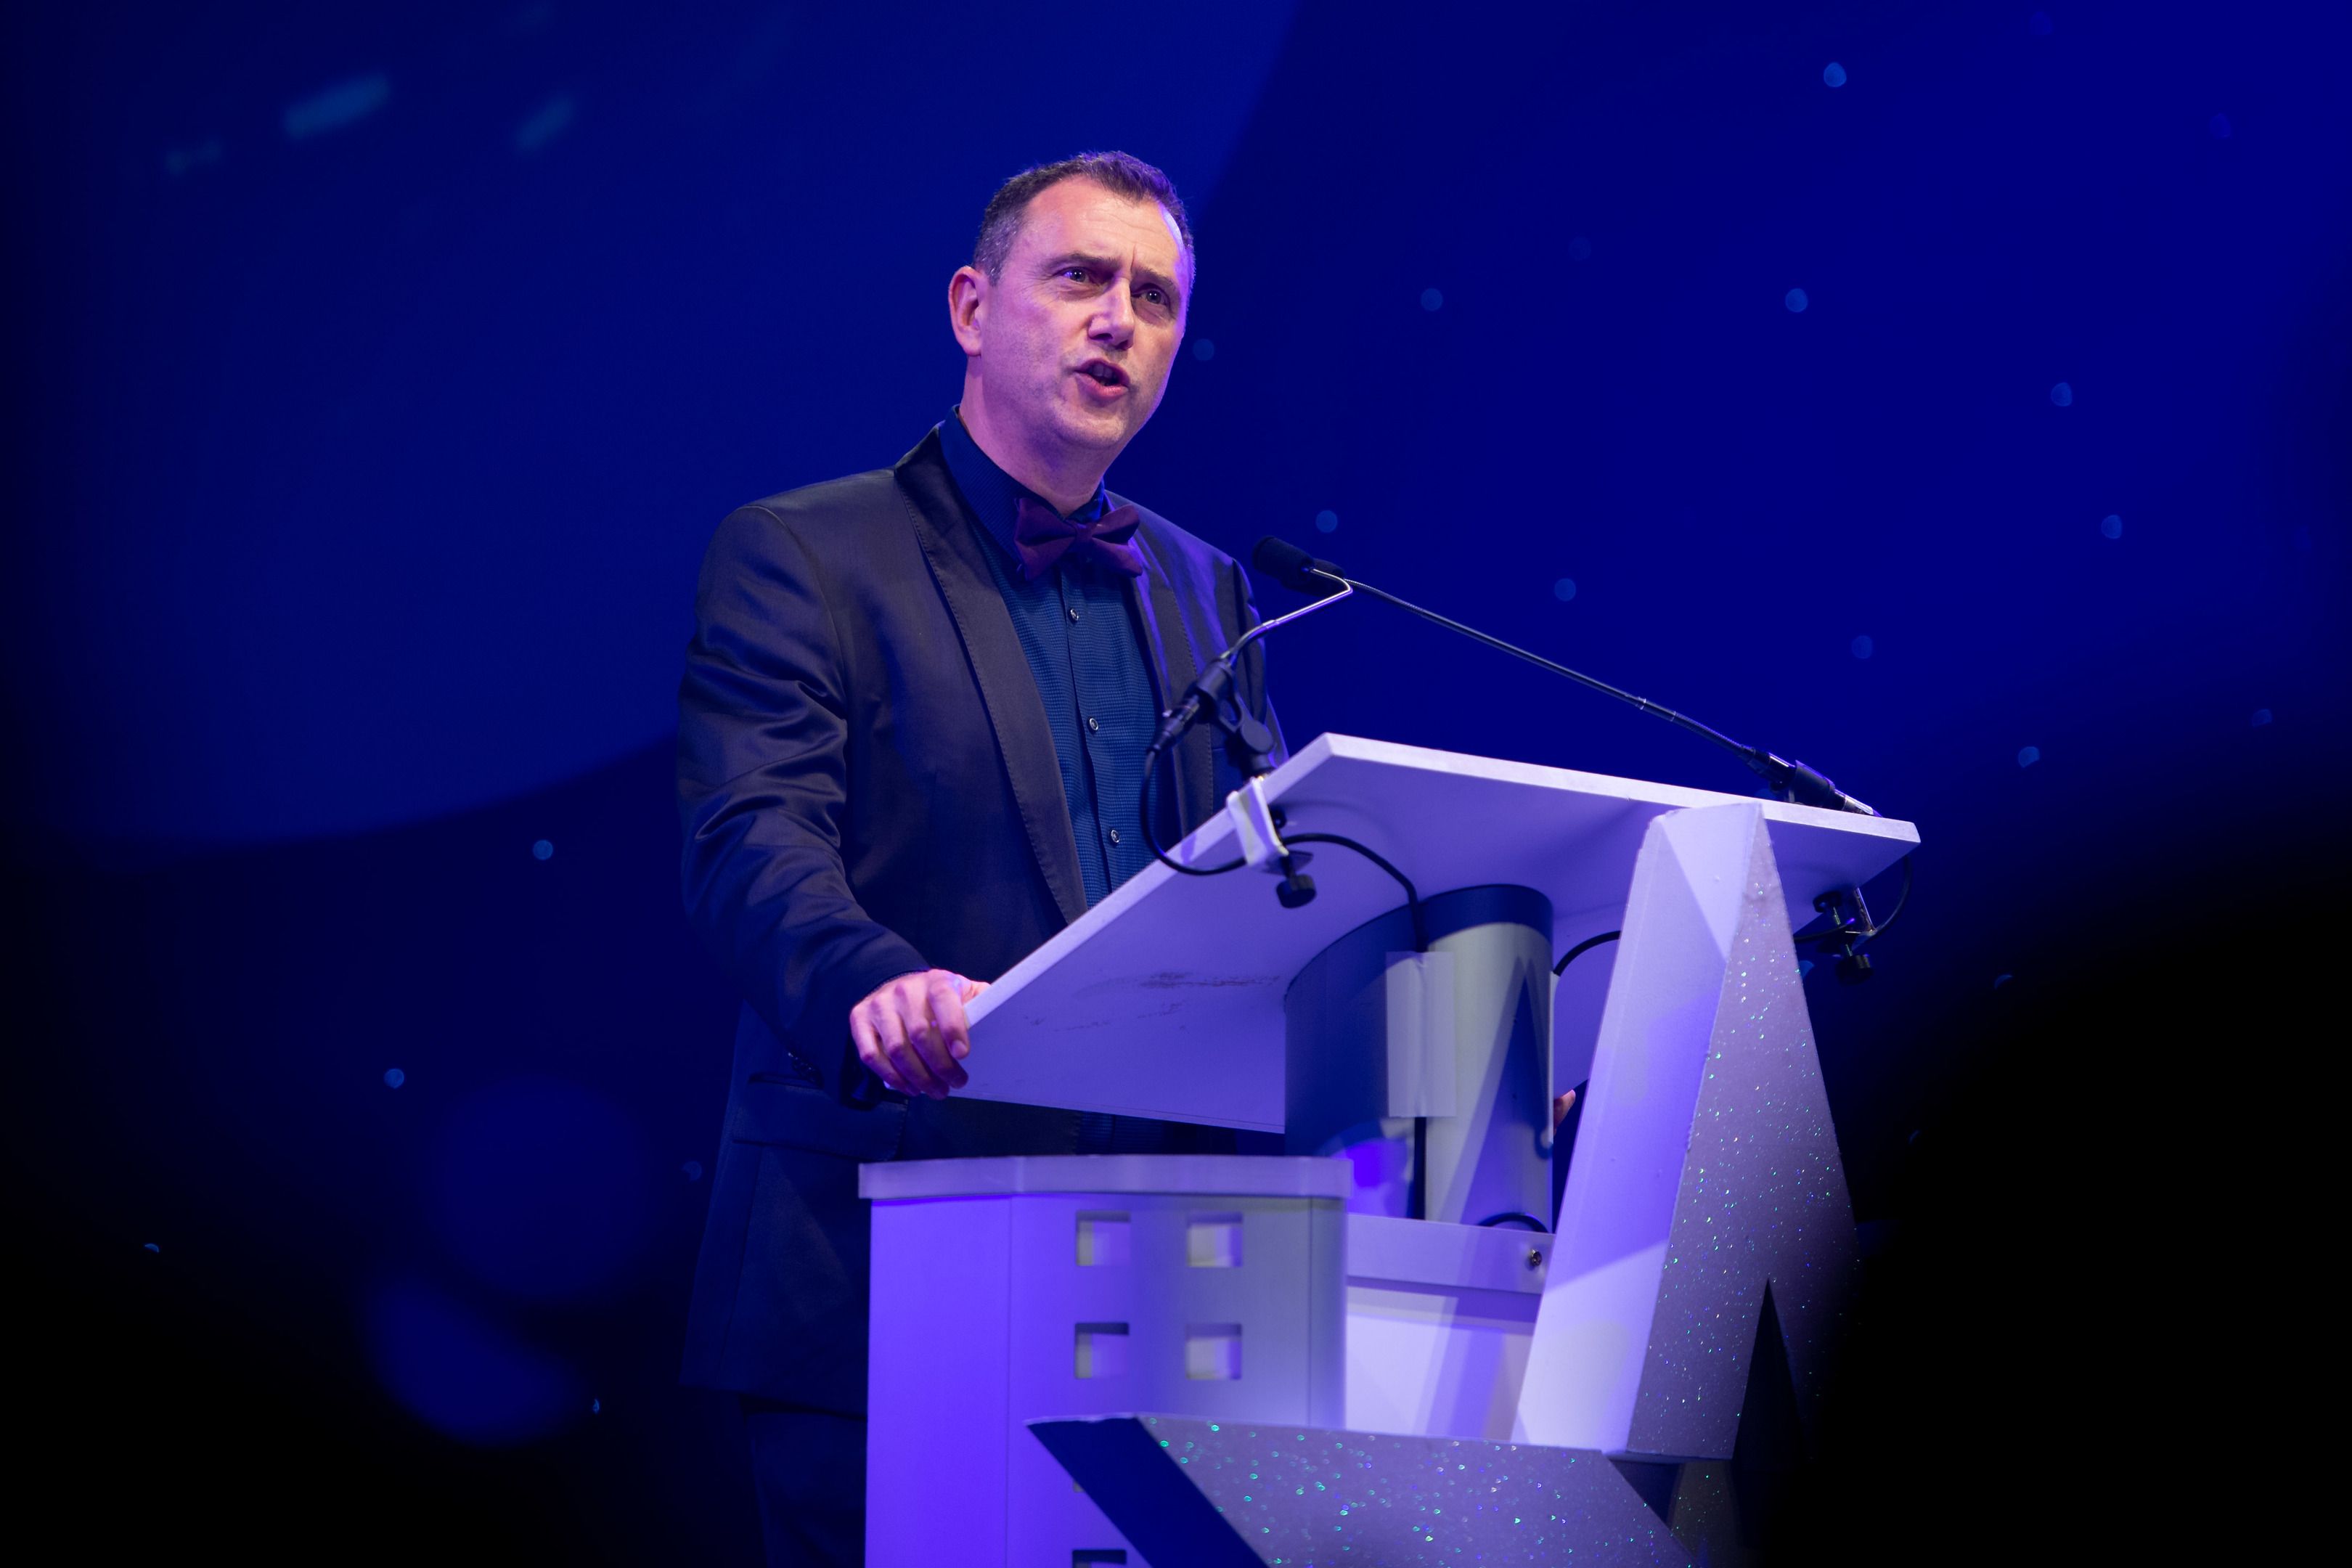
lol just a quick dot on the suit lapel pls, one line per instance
(950, 538)
(1174, 663)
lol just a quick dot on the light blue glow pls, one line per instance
(1564, 590)
(1326, 522)
(2038, 25)
(2063, 395)
(1834, 74)
(2028, 755)
(394, 1078)
(180, 159)
(693, 1169)
(1579, 249)
(332, 108)
(542, 850)
(1797, 299)
(1864, 647)
(1204, 349)
(2112, 526)
(551, 119)
(2220, 126)
(461, 1371)
(1431, 300)
(2262, 717)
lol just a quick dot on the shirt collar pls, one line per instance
(995, 495)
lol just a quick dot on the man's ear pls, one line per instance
(968, 307)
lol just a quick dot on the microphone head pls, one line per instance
(1293, 567)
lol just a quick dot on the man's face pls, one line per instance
(1076, 335)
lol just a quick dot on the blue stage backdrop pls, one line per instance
(1956, 396)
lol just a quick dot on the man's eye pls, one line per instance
(1078, 273)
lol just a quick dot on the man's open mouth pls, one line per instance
(1104, 373)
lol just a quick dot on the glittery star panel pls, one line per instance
(1762, 1201)
(1202, 1494)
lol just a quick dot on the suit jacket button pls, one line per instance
(1114, 836)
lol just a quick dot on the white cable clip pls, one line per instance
(1254, 827)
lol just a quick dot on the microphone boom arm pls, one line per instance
(1792, 780)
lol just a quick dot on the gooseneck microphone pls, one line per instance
(1794, 782)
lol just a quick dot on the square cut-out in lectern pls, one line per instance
(1104, 1238)
(1102, 1350)
(1213, 1241)
(1213, 1351)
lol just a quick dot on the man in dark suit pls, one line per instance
(910, 747)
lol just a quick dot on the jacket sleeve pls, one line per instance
(762, 782)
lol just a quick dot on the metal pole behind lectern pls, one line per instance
(1378, 1036)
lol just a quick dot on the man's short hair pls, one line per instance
(1118, 173)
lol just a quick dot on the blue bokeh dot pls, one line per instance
(1564, 590)
(394, 1078)
(1796, 300)
(1998, 980)
(2039, 24)
(2063, 395)
(2112, 526)
(1579, 249)
(1431, 300)
(1864, 647)
(542, 850)
(1327, 521)
(2262, 717)
(2028, 755)
(595, 1407)
(693, 1169)
(2220, 126)
(1204, 348)
(1804, 967)
(150, 1247)
(1834, 74)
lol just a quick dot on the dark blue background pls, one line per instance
(376, 375)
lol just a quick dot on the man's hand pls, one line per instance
(911, 1031)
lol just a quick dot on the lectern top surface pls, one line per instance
(1191, 1175)
(1165, 999)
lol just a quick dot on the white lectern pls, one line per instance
(1705, 1179)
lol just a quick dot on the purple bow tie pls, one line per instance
(1042, 538)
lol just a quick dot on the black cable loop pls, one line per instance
(1152, 839)
(1895, 914)
(1411, 897)
(1840, 933)
(1581, 948)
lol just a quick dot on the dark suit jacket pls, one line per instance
(870, 786)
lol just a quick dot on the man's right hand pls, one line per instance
(911, 1031)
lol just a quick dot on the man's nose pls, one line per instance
(1114, 323)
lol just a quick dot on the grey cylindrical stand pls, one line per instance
(1378, 1036)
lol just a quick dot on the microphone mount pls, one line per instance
(1213, 696)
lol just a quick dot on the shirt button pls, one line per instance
(1074, 612)
(1114, 836)
(1094, 723)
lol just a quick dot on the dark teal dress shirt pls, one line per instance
(1079, 631)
